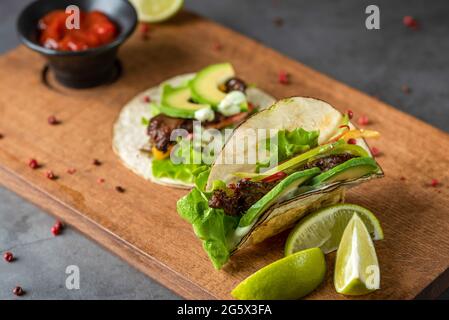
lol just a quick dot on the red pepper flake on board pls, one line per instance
(52, 120)
(434, 183)
(145, 30)
(1, 136)
(375, 151)
(363, 120)
(33, 164)
(350, 114)
(18, 291)
(96, 162)
(402, 178)
(352, 141)
(71, 170)
(100, 180)
(218, 46)
(410, 22)
(8, 256)
(119, 189)
(147, 99)
(284, 77)
(50, 175)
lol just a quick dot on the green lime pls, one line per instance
(289, 278)
(156, 10)
(325, 227)
(356, 268)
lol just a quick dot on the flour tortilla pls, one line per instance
(129, 135)
(287, 114)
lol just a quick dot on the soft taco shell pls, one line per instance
(288, 114)
(129, 135)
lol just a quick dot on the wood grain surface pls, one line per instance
(142, 226)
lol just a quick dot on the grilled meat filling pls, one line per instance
(328, 162)
(160, 128)
(235, 84)
(240, 197)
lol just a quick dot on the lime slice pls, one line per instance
(356, 268)
(289, 278)
(156, 10)
(325, 227)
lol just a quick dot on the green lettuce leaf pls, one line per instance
(167, 169)
(186, 171)
(289, 144)
(212, 226)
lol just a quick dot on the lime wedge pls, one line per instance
(356, 268)
(156, 10)
(324, 228)
(286, 279)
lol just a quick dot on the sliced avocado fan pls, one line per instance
(176, 102)
(205, 85)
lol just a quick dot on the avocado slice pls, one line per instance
(292, 162)
(349, 170)
(205, 85)
(176, 102)
(282, 189)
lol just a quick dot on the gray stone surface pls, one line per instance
(327, 35)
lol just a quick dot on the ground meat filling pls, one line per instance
(327, 163)
(240, 197)
(160, 128)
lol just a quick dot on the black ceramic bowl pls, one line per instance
(79, 69)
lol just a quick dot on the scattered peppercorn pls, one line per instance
(147, 99)
(8, 256)
(406, 89)
(410, 22)
(96, 162)
(402, 178)
(71, 170)
(352, 141)
(350, 114)
(218, 46)
(50, 175)
(52, 120)
(1, 136)
(58, 224)
(434, 183)
(363, 120)
(18, 291)
(278, 22)
(33, 164)
(55, 230)
(375, 151)
(284, 77)
(119, 189)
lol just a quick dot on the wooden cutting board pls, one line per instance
(142, 226)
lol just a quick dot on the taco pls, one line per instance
(319, 154)
(214, 96)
